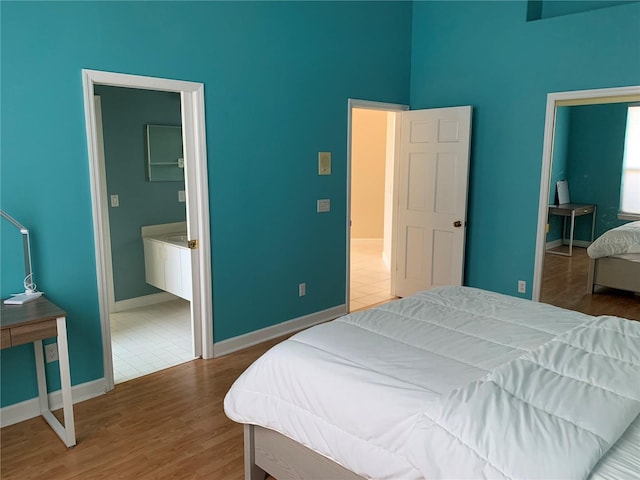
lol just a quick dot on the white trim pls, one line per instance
(192, 103)
(144, 301)
(27, 409)
(240, 342)
(558, 243)
(102, 169)
(629, 216)
(604, 95)
(370, 105)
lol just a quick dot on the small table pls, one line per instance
(572, 210)
(33, 322)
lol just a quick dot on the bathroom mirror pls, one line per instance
(165, 160)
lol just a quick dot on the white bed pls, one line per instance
(408, 389)
(615, 259)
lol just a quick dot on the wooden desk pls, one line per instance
(33, 322)
(572, 210)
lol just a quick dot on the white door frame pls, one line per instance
(193, 124)
(554, 100)
(368, 105)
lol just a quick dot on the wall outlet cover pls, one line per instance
(51, 352)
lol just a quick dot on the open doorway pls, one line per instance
(150, 322)
(584, 143)
(196, 235)
(372, 152)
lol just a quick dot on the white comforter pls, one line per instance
(552, 413)
(617, 241)
(367, 390)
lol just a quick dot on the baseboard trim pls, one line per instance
(240, 342)
(21, 411)
(558, 243)
(28, 409)
(144, 301)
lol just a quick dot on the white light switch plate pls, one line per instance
(324, 205)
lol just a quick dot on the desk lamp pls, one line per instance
(30, 291)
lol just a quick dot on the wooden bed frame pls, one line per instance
(267, 452)
(614, 273)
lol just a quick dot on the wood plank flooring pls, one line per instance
(168, 424)
(564, 284)
(171, 424)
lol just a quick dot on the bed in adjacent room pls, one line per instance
(453, 382)
(615, 259)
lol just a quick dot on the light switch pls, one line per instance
(324, 163)
(324, 205)
(181, 196)
(115, 201)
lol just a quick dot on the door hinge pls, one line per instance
(192, 244)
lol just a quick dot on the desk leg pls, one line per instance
(67, 432)
(42, 379)
(573, 224)
(65, 381)
(593, 222)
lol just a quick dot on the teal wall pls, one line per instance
(125, 113)
(588, 153)
(487, 55)
(555, 8)
(596, 152)
(558, 166)
(277, 78)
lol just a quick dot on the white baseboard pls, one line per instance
(21, 411)
(136, 302)
(230, 345)
(558, 243)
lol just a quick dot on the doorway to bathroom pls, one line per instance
(150, 325)
(150, 221)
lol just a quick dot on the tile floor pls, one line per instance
(151, 338)
(370, 278)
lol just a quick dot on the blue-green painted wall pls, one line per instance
(555, 8)
(487, 55)
(277, 78)
(558, 166)
(125, 113)
(596, 151)
(588, 152)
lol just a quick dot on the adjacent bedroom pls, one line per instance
(592, 254)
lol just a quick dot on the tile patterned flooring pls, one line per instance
(155, 337)
(151, 338)
(370, 278)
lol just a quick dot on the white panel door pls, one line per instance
(433, 173)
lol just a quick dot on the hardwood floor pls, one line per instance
(564, 284)
(168, 424)
(171, 424)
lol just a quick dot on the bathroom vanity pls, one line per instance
(167, 258)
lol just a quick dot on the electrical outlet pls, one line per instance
(522, 286)
(51, 352)
(302, 289)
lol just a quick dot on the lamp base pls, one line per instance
(21, 298)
